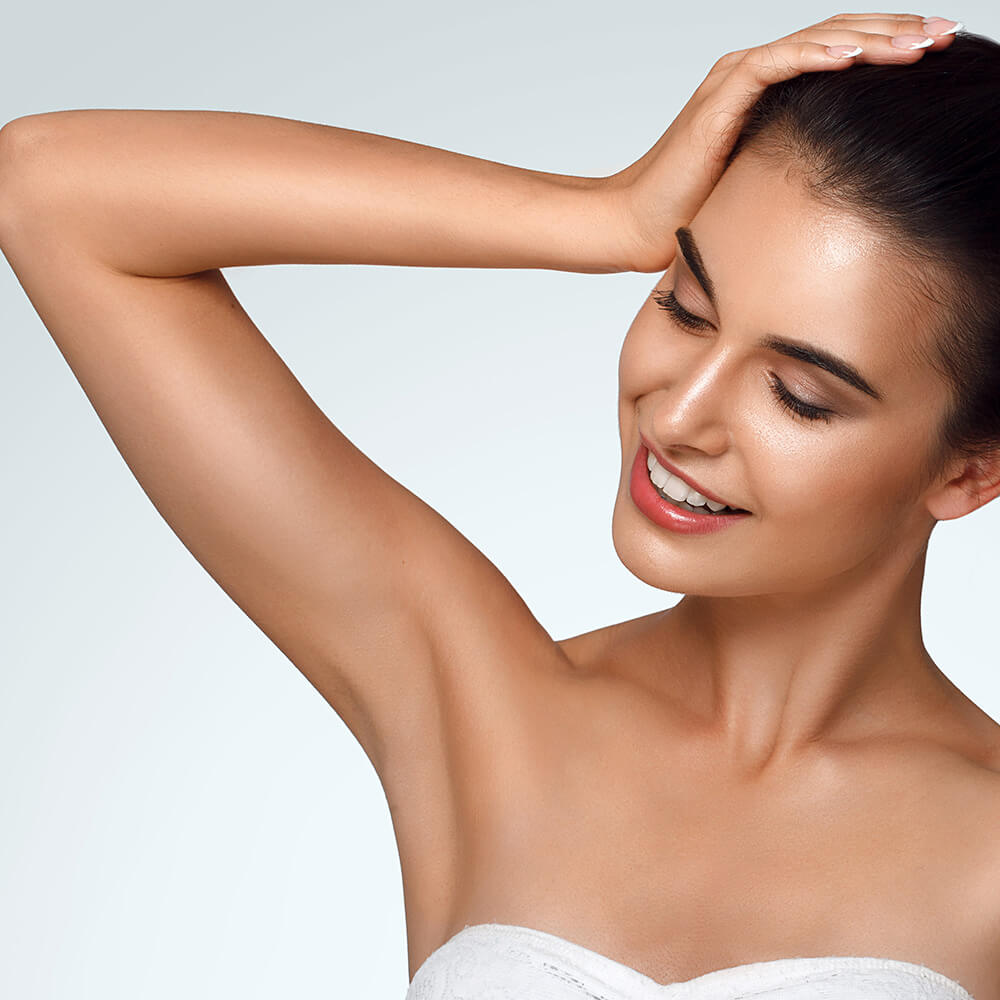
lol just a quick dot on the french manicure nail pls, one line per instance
(844, 51)
(911, 41)
(941, 26)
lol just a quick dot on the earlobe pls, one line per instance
(975, 484)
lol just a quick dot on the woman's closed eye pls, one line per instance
(797, 407)
(667, 300)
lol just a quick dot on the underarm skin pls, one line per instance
(171, 193)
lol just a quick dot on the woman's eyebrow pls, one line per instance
(692, 257)
(797, 350)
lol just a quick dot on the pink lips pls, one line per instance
(666, 514)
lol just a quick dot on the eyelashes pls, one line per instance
(798, 407)
(666, 300)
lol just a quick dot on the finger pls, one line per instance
(884, 24)
(899, 20)
(874, 17)
(875, 26)
(767, 64)
(880, 46)
(890, 24)
(934, 29)
(881, 40)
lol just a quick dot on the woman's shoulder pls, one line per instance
(972, 736)
(588, 650)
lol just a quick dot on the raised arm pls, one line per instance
(117, 223)
(171, 193)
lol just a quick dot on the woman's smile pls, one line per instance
(663, 509)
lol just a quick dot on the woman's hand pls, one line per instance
(665, 188)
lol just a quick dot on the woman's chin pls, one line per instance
(685, 568)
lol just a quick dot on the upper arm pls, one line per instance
(379, 601)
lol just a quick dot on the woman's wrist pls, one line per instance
(590, 230)
(644, 238)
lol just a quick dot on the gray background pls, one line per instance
(183, 815)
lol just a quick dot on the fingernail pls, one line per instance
(844, 51)
(941, 26)
(911, 41)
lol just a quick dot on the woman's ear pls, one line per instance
(974, 482)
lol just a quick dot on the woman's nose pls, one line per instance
(695, 408)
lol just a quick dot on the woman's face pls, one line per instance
(828, 496)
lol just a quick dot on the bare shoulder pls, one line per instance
(962, 790)
(968, 747)
(984, 875)
(590, 649)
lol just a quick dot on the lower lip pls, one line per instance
(666, 514)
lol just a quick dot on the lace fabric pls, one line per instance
(508, 962)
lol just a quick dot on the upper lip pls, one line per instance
(670, 467)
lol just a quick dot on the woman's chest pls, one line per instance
(613, 828)
(651, 852)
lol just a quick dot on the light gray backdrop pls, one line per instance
(182, 814)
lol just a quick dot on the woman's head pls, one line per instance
(860, 214)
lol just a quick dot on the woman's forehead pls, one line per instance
(778, 256)
(760, 218)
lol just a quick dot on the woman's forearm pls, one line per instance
(166, 193)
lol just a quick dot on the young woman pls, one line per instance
(769, 788)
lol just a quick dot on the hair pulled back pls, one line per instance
(914, 151)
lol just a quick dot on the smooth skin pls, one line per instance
(783, 772)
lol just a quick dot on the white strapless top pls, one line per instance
(508, 962)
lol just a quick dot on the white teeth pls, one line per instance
(676, 488)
